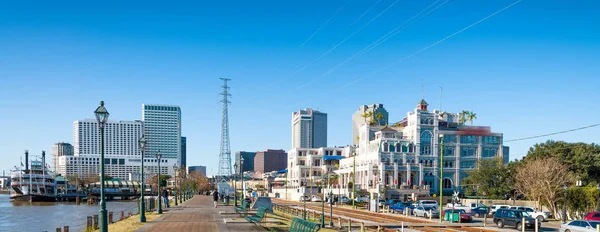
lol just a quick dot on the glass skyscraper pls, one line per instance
(162, 128)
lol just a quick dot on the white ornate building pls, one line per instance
(406, 155)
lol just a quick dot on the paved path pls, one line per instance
(197, 214)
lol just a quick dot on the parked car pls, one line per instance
(467, 208)
(493, 208)
(540, 216)
(480, 211)
(592, 216)
(425, 211)
(463, 215)
(362, 199)
(315, 198)
(304, 198)
(344, 199)
(427, 203)
(579, 225)
(513, 217)
(399, 207)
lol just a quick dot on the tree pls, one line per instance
(581, 158)
(471, 116)
(462, 116)
(542, 180)
(378, 117)
(491, 178)
(367, 115)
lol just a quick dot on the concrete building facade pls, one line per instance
(374, 114)
(58, 150)
(270, 160)
(306, 166)
(309, 129)
(407, 155)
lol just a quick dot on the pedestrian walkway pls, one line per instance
(197, 214)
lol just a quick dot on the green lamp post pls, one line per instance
(159, 211)
(102, 116)
(142, 143)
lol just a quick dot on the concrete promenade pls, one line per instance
(197, 214)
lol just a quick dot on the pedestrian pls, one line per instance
(215, 197)
(165, 195)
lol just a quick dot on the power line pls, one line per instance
(555, 133)
(323, 25)
(363, 14)
(431, 45)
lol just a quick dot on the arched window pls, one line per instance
(385, 147)
(411, 147)
(426, 142)
(398, 147)
(404, 148)
(447, 183)
(392, 148)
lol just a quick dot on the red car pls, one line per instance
(593, 216)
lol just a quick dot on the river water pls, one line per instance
(46, 216)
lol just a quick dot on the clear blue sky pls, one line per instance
(530, 69)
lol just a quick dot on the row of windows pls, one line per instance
(165, 108)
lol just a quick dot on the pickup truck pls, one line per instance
(540, 216)
(467, 208)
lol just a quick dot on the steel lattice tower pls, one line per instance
(225, 155)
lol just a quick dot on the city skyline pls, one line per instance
(527, 70)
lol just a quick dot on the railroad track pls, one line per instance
(376, 218)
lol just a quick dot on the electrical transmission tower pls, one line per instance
(225, 155)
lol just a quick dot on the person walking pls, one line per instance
(215, 195)
(165, 195)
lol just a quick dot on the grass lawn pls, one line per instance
(285, 224)
(132, 223)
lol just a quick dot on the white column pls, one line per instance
(395, 175)
(407, 173)
(420, 173)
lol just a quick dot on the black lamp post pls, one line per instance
(142, 143)
(159, 211)
(235, 166)
(242, 176)
(564, 219)
(102, 116)
(175, 191)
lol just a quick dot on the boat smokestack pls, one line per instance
(26, 160)
(43, 160)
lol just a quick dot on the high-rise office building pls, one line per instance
(162, 128)
(248, 161)
(373, 114)
(270, 160)
(58, 150)
(198, 168)
(183, 162)
(120, 138)
(309, 129)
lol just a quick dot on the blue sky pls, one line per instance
(530, 69)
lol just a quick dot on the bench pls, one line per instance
(260, 215)
(300, 225)
(243, 208)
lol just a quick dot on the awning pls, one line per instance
(118, 184)
(282, 171)
(333, 157)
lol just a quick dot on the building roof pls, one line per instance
(423, 102)
(387, 128)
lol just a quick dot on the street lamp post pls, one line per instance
(102, 116)
(142, 143)
(235, 167)
(354, 179)
(564, 219)
(242, 176)
(323, 204)
(175, 187)
(441, 154)
(159, 211)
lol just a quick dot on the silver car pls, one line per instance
(579, 226)
(424, 211)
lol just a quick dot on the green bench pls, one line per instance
(260, 215)
(300, 225)
(243, 208)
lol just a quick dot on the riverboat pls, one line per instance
(35, 184)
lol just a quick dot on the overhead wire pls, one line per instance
(323, 25)
(385, 37)
(431, 45)
(364, 13)
(550, 134)
(344, 40)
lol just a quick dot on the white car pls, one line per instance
(579, 225)
(423, 211)
(428, 203)
(540, 216)
(493, 208)
(304, 198)
(315, 198)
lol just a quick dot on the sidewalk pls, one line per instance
(197, 214)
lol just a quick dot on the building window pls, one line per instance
(447, 183)
(385, 147)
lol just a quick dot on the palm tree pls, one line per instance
(366, 115)
(471, 116)
(463, 116)
(378, 117)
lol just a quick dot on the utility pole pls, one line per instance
(225, 155)
(441, 175)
